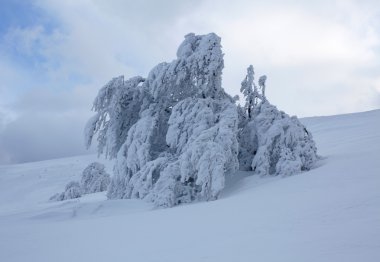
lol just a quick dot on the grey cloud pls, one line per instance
(147, 11)
(53, 101)
(49, 124)
(37, 137)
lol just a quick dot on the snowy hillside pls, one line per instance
(331, 213)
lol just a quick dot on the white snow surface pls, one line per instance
(331, 213)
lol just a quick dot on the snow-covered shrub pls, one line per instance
(270, 141)
(176, 134)
(285, 146)
(72, 190)
(94, 178)
(57, 197)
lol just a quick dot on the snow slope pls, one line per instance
(331, 213)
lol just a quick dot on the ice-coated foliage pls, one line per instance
(270, 141)
(176, 134)
(94, 178)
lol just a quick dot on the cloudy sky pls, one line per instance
(321, 58)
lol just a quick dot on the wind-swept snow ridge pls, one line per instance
(175, 133)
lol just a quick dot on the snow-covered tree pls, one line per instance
(72, 190)
(251, 92)
(262, 81)
(175, 133)
(94, 178)
(271, 142)
(117, 105)
(284, 146)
